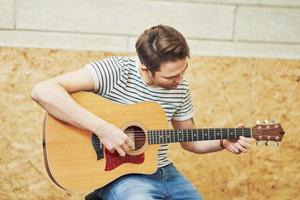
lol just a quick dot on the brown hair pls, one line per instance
(161, 44)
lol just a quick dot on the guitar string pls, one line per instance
(187, 131)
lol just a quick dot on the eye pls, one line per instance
(171, 78)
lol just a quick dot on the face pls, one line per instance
(170, 74)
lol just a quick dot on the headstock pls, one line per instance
(268, 132)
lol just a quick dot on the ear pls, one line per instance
(146, 71)
(144, 68)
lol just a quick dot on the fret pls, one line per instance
(190, 136)
(225, 133)
(186, 134)
(168, 136)
(156, 137)
(171, 136)
(205, 134)
(179, 136)
(163, 137)
(231, 133)
(239, 132)
(201, 134)
(174, 136)
(247, 132)
(218, 134)
(195, 135)
(153, 137)
(182, 135)
(150, 136)
(221, 133)
(215, 135)
(211, 134)
(235, 133)
(159, 138)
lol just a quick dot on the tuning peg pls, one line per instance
(274, 121)
(266, 121)
(257, 122)
(258, 143)
(267, 143)
(275, 144)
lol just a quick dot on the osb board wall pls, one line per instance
(225, 91)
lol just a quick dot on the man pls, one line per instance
(155, 75)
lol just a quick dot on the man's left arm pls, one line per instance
(242, 145)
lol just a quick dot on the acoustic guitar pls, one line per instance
(76, 161)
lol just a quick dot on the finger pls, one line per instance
(130, 143)
(240, 125)
(111, 151)
(125, 148)
(120, 151)
(245, 139)
(234, 149)
(241, 148)
(244, 144)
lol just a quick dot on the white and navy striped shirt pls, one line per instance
(119, 79)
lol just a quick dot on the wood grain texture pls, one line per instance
(69, 153)
(225, 91)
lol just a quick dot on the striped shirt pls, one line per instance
(119, 79)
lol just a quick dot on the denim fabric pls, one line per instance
(165, 184)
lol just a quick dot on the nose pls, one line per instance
(179, 78)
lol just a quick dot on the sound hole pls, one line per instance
(137, 135)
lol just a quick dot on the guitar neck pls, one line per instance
(189, 135)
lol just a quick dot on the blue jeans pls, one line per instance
(165, 184)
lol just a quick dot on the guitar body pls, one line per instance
(70, 158)
(76, 160)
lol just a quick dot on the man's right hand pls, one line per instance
(114, 139)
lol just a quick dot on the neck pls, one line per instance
(189, 135)
(146, 76)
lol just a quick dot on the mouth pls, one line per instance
(174, 86)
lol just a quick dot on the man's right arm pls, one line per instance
(53, 96)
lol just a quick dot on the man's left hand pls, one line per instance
(242, 145)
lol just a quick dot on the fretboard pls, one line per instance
(189, 135)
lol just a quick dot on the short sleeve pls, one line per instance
(185, 110)
(105, 74)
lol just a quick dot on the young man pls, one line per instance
(155, 75)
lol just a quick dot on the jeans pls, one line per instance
(165, 184)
